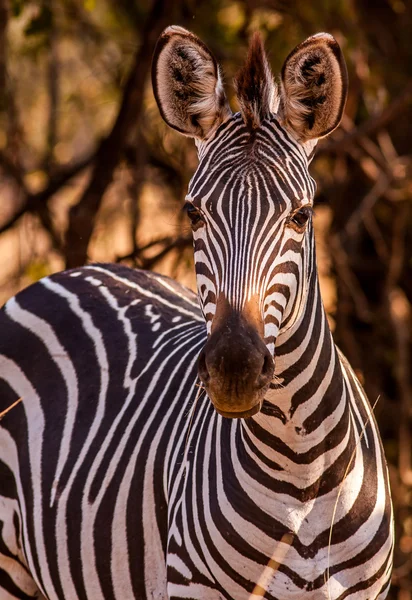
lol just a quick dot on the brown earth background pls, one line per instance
(89, 172)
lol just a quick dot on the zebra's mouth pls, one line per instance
(240, 414)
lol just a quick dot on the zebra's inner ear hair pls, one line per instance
(187, 84)
(314, 87)
(255, 88)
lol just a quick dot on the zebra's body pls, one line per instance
(119, 479)
(87, 475)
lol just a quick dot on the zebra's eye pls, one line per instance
(194, 214)
(299, 219)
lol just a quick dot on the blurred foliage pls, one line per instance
(90, 172)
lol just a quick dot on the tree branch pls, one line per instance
(370, 127)
(9, 167)
(82, 216)
(169, 244)
(36, 202)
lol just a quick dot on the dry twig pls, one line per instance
(9, 408)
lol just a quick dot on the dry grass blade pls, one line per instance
(9, 408)
(275, 561)
(327, 574)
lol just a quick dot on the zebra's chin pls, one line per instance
(235, 406)
(240, 414)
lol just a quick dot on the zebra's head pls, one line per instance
(250, 200)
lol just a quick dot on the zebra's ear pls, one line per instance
(187, 84)
(314, 84)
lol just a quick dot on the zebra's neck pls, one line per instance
(306, 410)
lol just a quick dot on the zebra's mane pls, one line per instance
(256, 90)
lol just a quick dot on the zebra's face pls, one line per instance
(250, 205)
(250, 201)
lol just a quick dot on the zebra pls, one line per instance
(163, 445)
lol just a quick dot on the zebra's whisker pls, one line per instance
(278, 381)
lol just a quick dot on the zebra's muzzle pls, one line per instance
(236, 367)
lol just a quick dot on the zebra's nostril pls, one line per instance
(202, 368)
(266, 373)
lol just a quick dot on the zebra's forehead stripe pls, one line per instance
(218, 145)
(219, 175)
(284, 141)
(286, 180)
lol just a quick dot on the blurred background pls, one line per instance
(89, 172)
